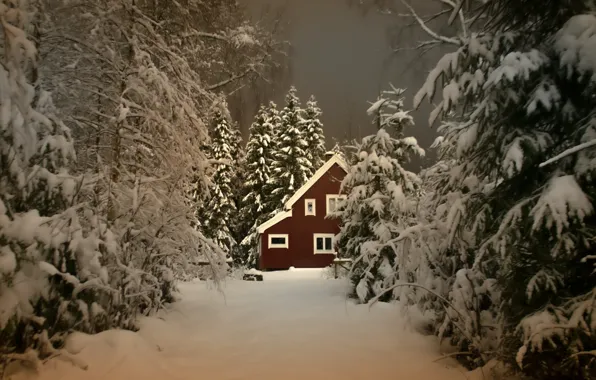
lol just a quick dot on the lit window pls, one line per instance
(323, 243)
(278, 241)
(333, 201)
(310, 207)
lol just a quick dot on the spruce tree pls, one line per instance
(315, 137)
(380, 201)
(515, 95)
(290, 167)
(217, 213)
(255, 205)
(274, 119)
(239, 226)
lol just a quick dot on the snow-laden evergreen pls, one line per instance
(52, 244)
(90, 243)
(218, 212)
(315, 136)
(508, 227)
(259, 153)
(381, 202)
(274, 118)
(291, 166)
(239, 226)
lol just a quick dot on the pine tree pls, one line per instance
(315, 137)
(255, 204)
(517, 94)
(380, 201)
(291, 166)
(217, 213)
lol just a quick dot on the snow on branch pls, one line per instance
(569, 152)
(231, 79)
(457, 12)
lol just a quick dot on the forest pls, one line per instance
(123, 173)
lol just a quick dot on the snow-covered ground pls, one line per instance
(293, 325)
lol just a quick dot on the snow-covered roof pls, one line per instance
(335, 159)
(276, 219)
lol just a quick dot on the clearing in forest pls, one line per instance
(294, 325)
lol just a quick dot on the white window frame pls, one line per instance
(314, 207)
(323, 236)
(337, 198)
(285, 236)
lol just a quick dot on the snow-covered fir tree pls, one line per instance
(380, 201)
(274, 119)
(218, 212)
(259, 152)
(239, 226)
(238, 152)
(291, 166)
(315, 137)
(91, 251)
(514, 96)
(51, 240)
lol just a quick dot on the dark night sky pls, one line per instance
(344, 58)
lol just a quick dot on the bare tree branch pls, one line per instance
(457, 11)
(230, 79)
(424, 26)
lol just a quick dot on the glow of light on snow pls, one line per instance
(291, 318)
(576, 45)
(561, 202)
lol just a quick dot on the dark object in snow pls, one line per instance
(344, 263)
(252, 277)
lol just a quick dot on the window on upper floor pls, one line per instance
(333, 201)
(310, 207)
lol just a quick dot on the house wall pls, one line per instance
(300, 228)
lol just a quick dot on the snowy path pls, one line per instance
(293, 325)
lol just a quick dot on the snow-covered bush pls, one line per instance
(380, 202)
(52, 243)
(90, 250)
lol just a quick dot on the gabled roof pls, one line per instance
(335, 159)
(274, 220)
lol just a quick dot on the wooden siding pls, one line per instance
(301, 228)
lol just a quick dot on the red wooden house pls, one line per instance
(301, 236)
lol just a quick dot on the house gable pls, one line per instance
(326, 185)
(273, 221)
(334, 160)
(303, 235)
(334, 167)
